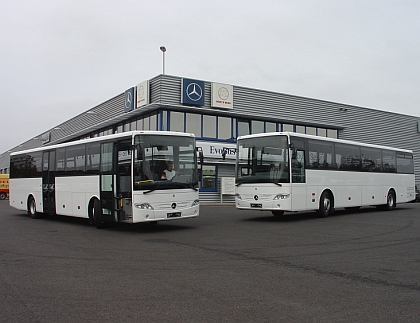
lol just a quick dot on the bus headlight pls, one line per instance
(143, 206)
(195, 203)
(238, 197)
(281, 196)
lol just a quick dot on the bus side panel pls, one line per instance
(348, 195)
(21, 188)
(166, 204)
(405, 187)
(373, 194)
(74, 193)
(358, 188)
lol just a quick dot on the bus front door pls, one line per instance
(48, 182)
(124, 181)
(115, 181)
(107, 182)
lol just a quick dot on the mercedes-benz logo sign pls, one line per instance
(194, 91)
(128, 100)
(173, 205)
(256, 197)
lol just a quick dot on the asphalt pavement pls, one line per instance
(224, 266)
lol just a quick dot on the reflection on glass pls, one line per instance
(209, 126)
(224, 128)
(194, 124)
(300, 129)
(152, 156)
(270, 127)
(287, 127)
(243, 127)
(177, 121)
(263, 160)
(257, 126)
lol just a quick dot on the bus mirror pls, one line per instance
(293, 149)
(139, 152)
(200, 154)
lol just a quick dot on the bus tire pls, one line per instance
(91, 221)
(326, 205)
(32, 208)
(97, 214)
(2, 196)
(391, 202)
(277, 212)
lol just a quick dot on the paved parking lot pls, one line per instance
(224, 266)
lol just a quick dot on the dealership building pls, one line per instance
(218, 113)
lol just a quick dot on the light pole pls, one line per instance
(163, 49)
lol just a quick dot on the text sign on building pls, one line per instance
(192, 92)
(142, 94)
(221, 96)
(216, 149)
(129, 100)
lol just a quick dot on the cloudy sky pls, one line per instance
(60, 58)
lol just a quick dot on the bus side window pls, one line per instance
(298, 167)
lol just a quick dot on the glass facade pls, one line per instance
(205, 126)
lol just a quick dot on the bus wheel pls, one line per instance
(91, 221)
(97, 214)
(32, 208)
(390, 201)
(2, 196)
(325, 205)
(277, 212)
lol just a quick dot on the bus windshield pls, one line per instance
(164, 162)
(263, 160)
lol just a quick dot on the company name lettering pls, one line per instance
(229, 151)
(223, 102)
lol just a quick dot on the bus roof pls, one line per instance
(295, 134)
(107, 137)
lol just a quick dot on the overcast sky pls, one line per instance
(60, 58)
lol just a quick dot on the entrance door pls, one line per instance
(124, 181)
(107, 182)
(116, 180)
(48, 182)
(298, 186)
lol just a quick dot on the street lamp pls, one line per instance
(163, 49)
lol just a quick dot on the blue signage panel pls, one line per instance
(192, 92)
(129, 100)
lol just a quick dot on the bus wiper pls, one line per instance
(193, 187)
(278, 184)
(149, 191)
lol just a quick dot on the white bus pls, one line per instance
(285, 171)
(115, 178)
